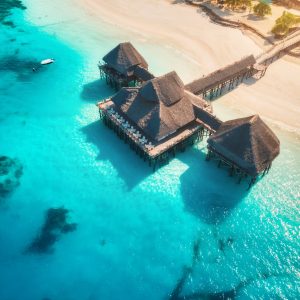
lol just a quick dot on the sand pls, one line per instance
(276, 97)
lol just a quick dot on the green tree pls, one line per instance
(262, 9)
(235, 4)
(284, 23)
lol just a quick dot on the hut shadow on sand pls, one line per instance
(129, 167)
(91, 91)
(208, 192)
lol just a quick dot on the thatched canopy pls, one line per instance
(124, 58)
(247, 142)
(210, 121)
(160, 107)
(213, 79)
(142, 73)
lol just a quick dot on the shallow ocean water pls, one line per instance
(137, 230)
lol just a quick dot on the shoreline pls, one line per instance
(247, 98)
(187, 33)
(262, 39)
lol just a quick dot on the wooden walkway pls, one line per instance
(214, 84)
(278, 50)
(227, 78)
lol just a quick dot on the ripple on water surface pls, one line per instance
(186, 229)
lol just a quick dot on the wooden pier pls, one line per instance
(280, 49)
(159, 116)
(225, 79)
(159, 119)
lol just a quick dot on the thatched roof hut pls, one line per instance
(124, 58)
(246, 142)
(160, 107)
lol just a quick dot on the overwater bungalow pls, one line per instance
(158, 118)
(124, 66)
(246, 145)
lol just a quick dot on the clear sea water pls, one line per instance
(136, 229)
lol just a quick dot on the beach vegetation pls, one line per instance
(262, 9)
(285, 23)
(238, 4)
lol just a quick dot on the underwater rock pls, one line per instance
(21, 66)
(11, 171)
(5, 10)
(55, 225)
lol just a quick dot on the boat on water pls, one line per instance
(47, 61)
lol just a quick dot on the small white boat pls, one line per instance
(47, 61)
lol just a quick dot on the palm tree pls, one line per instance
(284, 23)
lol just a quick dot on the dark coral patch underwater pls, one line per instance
(11, 171)
(55, 225)
(21, 66)
(5, 10)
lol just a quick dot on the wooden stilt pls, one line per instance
(252, 181)
(231, 173)
(208, 156)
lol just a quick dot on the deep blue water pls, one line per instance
(137, 231)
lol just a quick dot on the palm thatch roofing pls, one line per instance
(222, 75)
(160, 107)
(124, 58)
(143, 73)
(209, 121)
(247, 142)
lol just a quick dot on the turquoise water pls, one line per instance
(137, 231)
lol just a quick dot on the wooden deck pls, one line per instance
(278, 50)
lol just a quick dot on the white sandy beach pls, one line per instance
(276, 97)
(196, 46)
(178, 26)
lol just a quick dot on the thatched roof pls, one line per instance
(213, 79)
(124, 58)
(159, 108)
(210, 121)
(247, 142)
(143, 73)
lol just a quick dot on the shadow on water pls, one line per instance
(95, 90)
(209, 192)
(128, 165)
